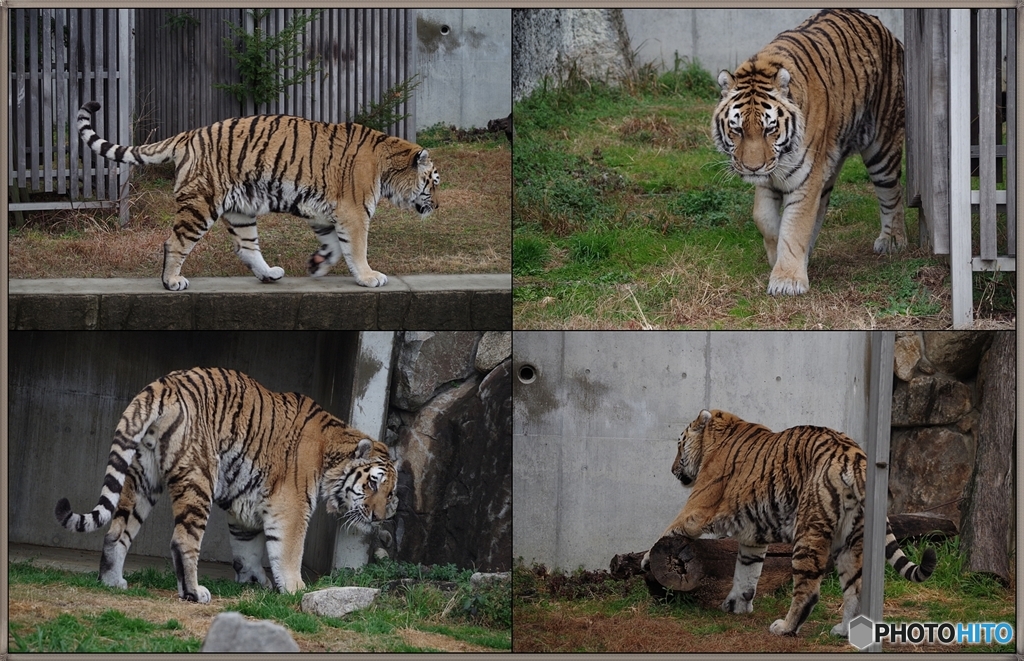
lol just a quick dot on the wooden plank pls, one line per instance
(65, 132)
(89, 159)
(46, 206)
(987, 77)
(33, 97)
(938, 104)
(1003, 264)
(46, 72)
(21, 146)
(125, 89)
(960, 168)
(74, 101)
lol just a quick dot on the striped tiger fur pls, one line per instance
(791, 115)
(332, 175)
(804, 485)
(214, 435)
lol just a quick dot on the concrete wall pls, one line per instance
(68, 390)
(719, 38)
(595, 433)
(465, 64)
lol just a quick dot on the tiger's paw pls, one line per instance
(373, 279)
(788, 286)
(739, 602)
(273, 274)
(778, 628)
(886, 243)
(202, 595)
(841, 629)
(176, 283)
(645, 563)
(318, 265)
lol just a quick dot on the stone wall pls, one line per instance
(548, 42)
(450, 418)
(935, 416)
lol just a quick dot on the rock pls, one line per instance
(482, 579)
(906, 354)
(427, 361)
(231, 632)
(916, 457)
(929, 400)
(548, 43)
(337, 602)
(494, 347)
(456, 476)
(957, 353)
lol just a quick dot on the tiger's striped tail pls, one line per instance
(907, 569)
(146, 154)
(134, 423)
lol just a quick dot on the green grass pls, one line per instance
(544, 601)
(623, 211)
(477, 616)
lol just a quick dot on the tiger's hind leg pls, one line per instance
(247, 548)
(189, 226)
(190, 505)
(135, 504)
(811, 546)
(337, 241)
(247, 246)
(883, 159)
(749, 562)
(849, 563)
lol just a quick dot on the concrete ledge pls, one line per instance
(412, 302)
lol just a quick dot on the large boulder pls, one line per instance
(917, 456)
(929, 400)
(428, 362)
(337, 602)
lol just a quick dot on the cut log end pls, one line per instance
(675, 565)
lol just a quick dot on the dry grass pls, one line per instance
(470, 233)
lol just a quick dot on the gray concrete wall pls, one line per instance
(68, 390)
(719, 38)
(465, 64)
(594, 436)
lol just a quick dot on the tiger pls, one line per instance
(213, 435)
(804, 486)
(791, 115)
(332, 175)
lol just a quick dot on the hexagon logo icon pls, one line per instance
(861, 631)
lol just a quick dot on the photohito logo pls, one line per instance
(864, 631)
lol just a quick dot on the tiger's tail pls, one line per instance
(907, 569)
(158, 152)
(134, 424)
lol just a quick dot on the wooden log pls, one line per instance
(704, 568)
(912, 527)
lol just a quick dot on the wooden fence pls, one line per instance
(59, 58)
(957, 117)
(181, 56)
(153, 72)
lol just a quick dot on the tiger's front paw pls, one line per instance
(739, 602)
(778, 628)
(176, 283)
(645, 563)
(202, 595)
(372, 279)
(787, 284)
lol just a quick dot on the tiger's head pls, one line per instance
(691, 450)
(363, 491)
(414, 187)
(757, 124)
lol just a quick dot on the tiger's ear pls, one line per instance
(363, 448)
(782, 81)
(422, 159)
(704, 417)
(725, 81)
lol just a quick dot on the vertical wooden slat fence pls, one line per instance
(362, 52)
(62, 58)
(954, 68)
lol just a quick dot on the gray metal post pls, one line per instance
(876, 446)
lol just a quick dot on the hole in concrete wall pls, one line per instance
(527, 373)
(445, 29)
